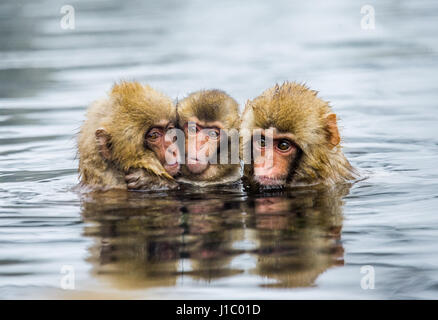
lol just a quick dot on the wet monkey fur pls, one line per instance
(122, 142)
(305, 146)
(210, 119)
(206, 120)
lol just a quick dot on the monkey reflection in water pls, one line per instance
(146, 241)
(151, 240)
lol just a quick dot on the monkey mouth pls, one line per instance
(173, 168)
(193, 160)
(270, 181)
(197, 166)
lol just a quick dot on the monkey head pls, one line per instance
(208, 118)
(128, 131)
(290, 137)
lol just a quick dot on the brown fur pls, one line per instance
(293, 108)
(211, 106)
(124, 117)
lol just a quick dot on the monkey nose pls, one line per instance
(173, 151)
(173, 154)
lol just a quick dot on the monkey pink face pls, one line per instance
(202, 143)
(164, 147)
(275, 156)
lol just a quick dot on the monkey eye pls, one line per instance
(284, 145)
(213, 134)
(261, 142)
(153, 134)
(192, 129)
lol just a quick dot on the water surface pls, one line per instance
(220, 242)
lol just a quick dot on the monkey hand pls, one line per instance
(140, 179)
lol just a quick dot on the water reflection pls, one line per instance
(147, 240)
(298, 235)
(137, 238)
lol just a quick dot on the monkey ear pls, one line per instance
(332, 127)
(103, 140)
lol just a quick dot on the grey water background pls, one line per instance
(221, 243)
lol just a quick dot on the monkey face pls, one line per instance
(305, 148)
(274, 156)
(207, 117)
(127, 132)
(202, 143)
(162, 144)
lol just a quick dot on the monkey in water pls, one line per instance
(210, 121)
(123, 143)
(290, 137)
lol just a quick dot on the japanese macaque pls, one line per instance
(294, 139)
(123, 142)
(210, 120)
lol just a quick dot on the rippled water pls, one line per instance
(220, 242)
